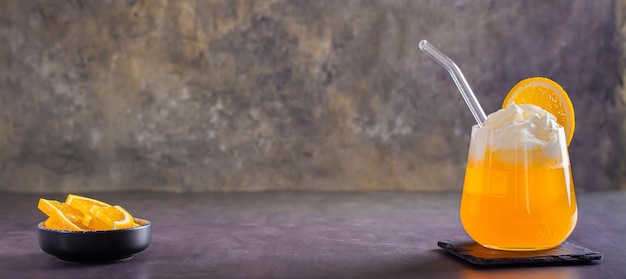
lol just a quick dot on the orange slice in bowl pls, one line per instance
(82, 213)
(51, 223)
(115, 217)
(61, 216)
(84, 204)
(88, 207)
(548, 95)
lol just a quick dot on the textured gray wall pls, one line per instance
(255, 95)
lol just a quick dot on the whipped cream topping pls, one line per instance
(520, 127)
(527, 126)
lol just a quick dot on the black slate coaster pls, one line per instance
(566, 253)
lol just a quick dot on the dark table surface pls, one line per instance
(300, 235)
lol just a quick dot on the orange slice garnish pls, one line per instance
(548, 95)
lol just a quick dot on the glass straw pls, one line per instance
(459, 80)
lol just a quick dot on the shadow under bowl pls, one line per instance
(95, 246)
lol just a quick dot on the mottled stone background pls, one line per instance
(229, 95)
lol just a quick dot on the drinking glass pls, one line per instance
(517, 198)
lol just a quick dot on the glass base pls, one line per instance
(518, 249)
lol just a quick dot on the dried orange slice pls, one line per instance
(115, 217)
(548, 95)
(61, 216)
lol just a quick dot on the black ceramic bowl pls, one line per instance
(90, 246)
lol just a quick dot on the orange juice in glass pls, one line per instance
(518, 192)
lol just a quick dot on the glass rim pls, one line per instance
(477, 127)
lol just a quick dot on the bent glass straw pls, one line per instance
(459, 80)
